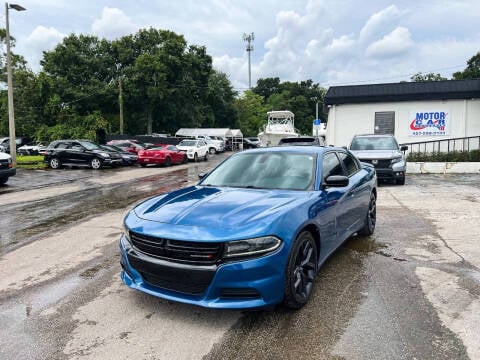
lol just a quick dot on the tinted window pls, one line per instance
(61, 145)
(349, 163)
(172, 148)
(331, 165)
(374, 143)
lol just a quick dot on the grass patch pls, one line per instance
(454, 156)
(31, 162)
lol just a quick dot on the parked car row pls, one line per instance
(86, 153)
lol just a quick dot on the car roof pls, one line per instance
(297, 149)
(374, 135)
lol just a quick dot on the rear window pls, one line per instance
(374, 143)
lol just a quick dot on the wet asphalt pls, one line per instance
(367, 302)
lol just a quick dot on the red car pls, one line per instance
(131, 146)
(161, 155)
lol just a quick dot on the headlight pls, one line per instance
(104, 154)
(251, 247)
(396, 159)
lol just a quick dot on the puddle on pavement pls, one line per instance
(364, 244)
(25, 221)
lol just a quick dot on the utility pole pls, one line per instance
(249, 39)
(11, 115)
(120, 103)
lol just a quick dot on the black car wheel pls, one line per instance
(195, 157)
(205, 158)
(301, 271)
(212, 151)
(54, 163)
(96, 164)
(168, 162)
(143, 165)
(3, 180)
(371, 219)
(185, 159)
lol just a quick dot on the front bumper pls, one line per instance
(7, 172)
(253, 283)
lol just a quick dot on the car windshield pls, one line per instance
(265, 170)
(188, 143)
(374, 143)
(157, 148)
(89, 145)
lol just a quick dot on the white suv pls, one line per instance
(214, 145)
(195, 149)
(7, 168)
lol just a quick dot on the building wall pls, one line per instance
(347, 120)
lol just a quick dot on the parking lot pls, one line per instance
(411, 291)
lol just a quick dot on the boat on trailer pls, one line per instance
(280, 124)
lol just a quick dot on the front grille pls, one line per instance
(186, 285)
(177, 250)
(382, 164)
(3, 164)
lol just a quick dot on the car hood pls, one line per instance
(376, 154)
(218, 207)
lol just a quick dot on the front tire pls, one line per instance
(96, 164)
(3, 180)
(205, 158)
(168, 162)
(212, 151)
(195, 157)
(185, 159)
(301, 271)
(371, 219)
(54, 163)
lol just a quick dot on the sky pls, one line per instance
(332, 42)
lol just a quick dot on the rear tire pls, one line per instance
(3, 181)
(371, 218)
(205, 158)
(168, 162)
(54, 163)
(301, 271)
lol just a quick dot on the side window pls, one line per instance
(349, 163)
(331, 165)
(61, 145)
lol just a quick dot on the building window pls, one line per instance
(385, 122)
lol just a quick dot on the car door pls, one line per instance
(333, 204)
(77, 154)
(175, 154)
(358, 194)
(61, 151)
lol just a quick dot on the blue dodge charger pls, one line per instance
(253, 232)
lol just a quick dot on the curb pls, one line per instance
(443, 167)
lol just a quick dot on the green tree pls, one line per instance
(221, 101)
(472, 71)
(252, 114)
(420, 77)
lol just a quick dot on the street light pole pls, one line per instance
(11, 115)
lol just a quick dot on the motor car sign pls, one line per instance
(429, 123)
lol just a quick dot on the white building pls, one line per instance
(412, 111)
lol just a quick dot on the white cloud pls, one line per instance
(39, 40)
(113, 24)
(397, 43)
(377, 24)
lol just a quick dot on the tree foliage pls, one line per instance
(420, 77)
(472, 71)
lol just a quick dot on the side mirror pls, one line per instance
(336, 181)
(404, 148)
